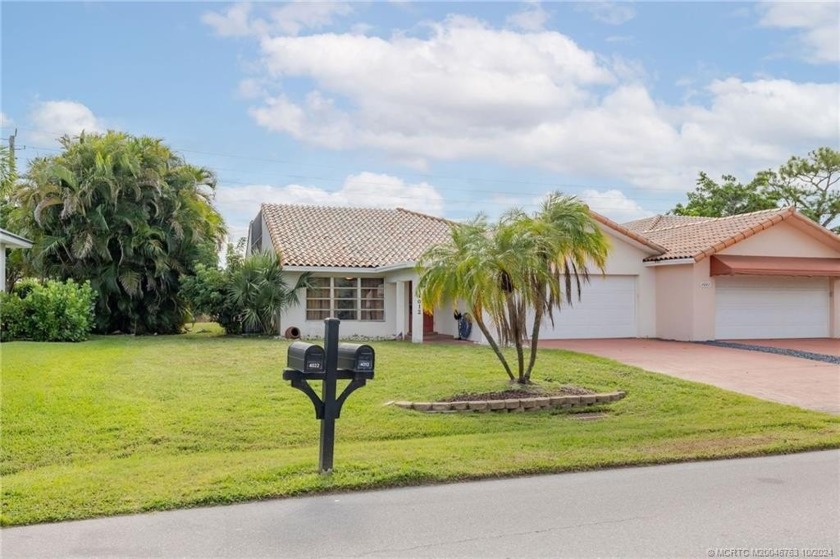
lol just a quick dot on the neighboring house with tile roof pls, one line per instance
(9, 240)
(773, 273)
(766, 274)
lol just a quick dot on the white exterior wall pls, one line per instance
(296, 315)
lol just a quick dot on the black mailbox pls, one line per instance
(307, 358)
(358, 358)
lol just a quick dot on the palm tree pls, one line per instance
(463, 268)
(126, 213)
(566, 240)
(257, 288)
(523, 263)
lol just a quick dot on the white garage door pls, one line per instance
(762, 307)
(607, 309)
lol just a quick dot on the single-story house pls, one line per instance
(9, 240)
(768, 274)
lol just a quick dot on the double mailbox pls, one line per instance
(311, 358)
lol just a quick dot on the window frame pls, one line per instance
(366, 302)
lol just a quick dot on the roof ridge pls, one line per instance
(427, 216)
(325, 206)
(703, 219)
(638, 237)
(656, 219)
(699, 221)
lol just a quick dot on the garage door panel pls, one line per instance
(759, 307)
(607, 309)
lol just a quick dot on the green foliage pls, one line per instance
(729, 197)
(127, 214)
(48, 312)
(247, 296)
(809, 184)
(521, 264)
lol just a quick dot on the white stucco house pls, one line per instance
(9, 240)
(769, 274)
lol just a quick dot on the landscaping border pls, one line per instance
(515, 405)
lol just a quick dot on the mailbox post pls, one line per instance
(334, 362)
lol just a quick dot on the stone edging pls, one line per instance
(514, 405)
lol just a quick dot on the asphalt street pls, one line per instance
(782, 506)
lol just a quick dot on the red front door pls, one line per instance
(428, 323)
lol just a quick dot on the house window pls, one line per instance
(346, 299)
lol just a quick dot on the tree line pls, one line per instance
(135, 221)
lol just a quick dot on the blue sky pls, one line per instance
(442, 107)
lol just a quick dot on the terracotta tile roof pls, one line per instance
(350, 237)
(627, 232)
(661, 222)
(698, 238)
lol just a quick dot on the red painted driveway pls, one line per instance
(789, 380)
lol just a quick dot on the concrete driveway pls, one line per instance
(780, 378)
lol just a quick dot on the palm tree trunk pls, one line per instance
(535, 338)
(477, 316)
(516, 321)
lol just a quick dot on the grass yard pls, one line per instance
(121, 424)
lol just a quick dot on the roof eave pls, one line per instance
(9, 239)
(639, 240)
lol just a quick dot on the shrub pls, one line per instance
(245, 297)
(48, 312)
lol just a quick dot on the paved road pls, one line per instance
(700, 509)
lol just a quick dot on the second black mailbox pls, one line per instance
(358, 358)
(307, 358)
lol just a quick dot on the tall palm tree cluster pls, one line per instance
(514, 274)
(129, 215)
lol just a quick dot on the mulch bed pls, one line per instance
(515, 394)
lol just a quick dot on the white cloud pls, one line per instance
(531, 18)
(240, 204)
(235, 22)
(52, 119)
(5, 121)
(289, 19)
(614, 204)
(818, 24)
(611, 13)
(470, 91)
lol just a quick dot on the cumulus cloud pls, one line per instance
(291, 18)
(52, 119)
(818, 24)
(614, 204)
(5, 120)
(466, 90)
(611, 13)
(239, 204)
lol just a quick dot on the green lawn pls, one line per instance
(123, 424)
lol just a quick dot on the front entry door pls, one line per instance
(428, 323)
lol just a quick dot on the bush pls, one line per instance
(48, 312)
(247, 296)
